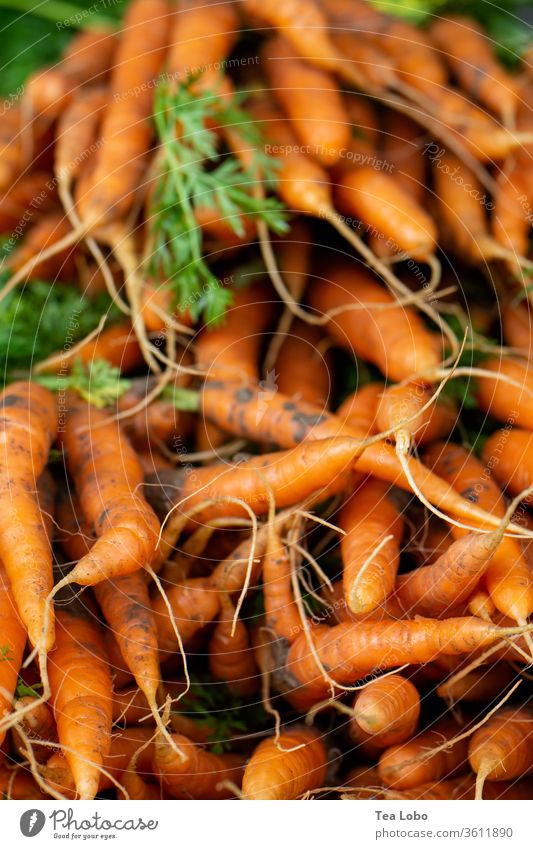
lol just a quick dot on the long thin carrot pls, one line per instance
(125, 525)
(467, 50)
(285, 768)
(281, 613)
(311, 99)
(13, 641)
(508, 580)
(80, 682)
(371, 547)
(30, 422)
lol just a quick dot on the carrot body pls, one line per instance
(275, 773)
(402, 151)
(467, 50)
(29, 422)
(230, 657)
(199, 775)
(194, 604)
(499, 398)
(510, 454)
(280, 420)
(517, 326)
(18, 783)
(37, 724)
(200, 41)
(385, 207)
(311, 100)
(387, 710)
(508, 579)
(351, 650)
(359, 410)
(108, 491)
(301, 369)
(77, 132)
(368, 518)
(479, 685)
(503, 747)
(510, 219)
(401, 402)
(116, 344)
(396, 772)
(120, 163)
(33, 193)
(281, 613)
(80, 682)
(13, 641)
(47, 230)
(394, 338)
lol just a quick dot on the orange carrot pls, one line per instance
(479, 685)
(194, 603)
(199, 775)
(13, 641)
(275, 772)
(302, 371)
(502, 749)
(281, 613)
(498, 397)
(125, 525)
(395, 770)
(402, 142)
(387, 710)
(37, 724)
(230, 657)
(468, 51)
(510, 219)
(508, 453)
(81, 696)
(393, 338)
(77, 132)
(507, 578)
(32, 193)
(46, 232)
(517, 325)
(30, 422)
(311, 100)
(18, 783)
(371, 547)
(200, 41)
(404, 401)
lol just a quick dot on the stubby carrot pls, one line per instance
(502, 749)
(396, 771)
(230, 657)
(275, 772)
(387, 710)
(199, 775)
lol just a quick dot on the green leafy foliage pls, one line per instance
(213, 706)
(4, 654)
(43, 318)
(25, 690)
(194, 173)
(99, 383)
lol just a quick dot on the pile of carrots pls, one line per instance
(287, 553)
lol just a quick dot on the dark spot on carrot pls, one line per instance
(244, 395)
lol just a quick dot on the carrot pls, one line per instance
(281, 613)
(230, 657)
(508, 454)
(116, 344)
(18, 783)
(108, 491)
(138, 789)
(461, 205)
(77, 131)
(365, 133)
(392, 337)
(201, 773)
(120, 162)
(517, 325)
(37, 724)
(86, 60)
(387, 710)
(124, 745)
(359, 410)
(350, 650)
(287, 767)
(280, 420)
(433, 590)
(156, 307)
(371, 547)
(502, 749)
(367, 62)
(395, 770)
(311, 100)
(121, 674)
(12, 648)
(80, 682)
(312, 468)
(194, 604)
(508, 580)
(302, 371)
(200, 41)
(18, 151)
(30, 423)
(479, 685)
(404, 401)
(230, 573)
(467, 50)
(402, 151)
(32, 194)
(417, 61)
(498, 397)
(510, 221)
(47, 232)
